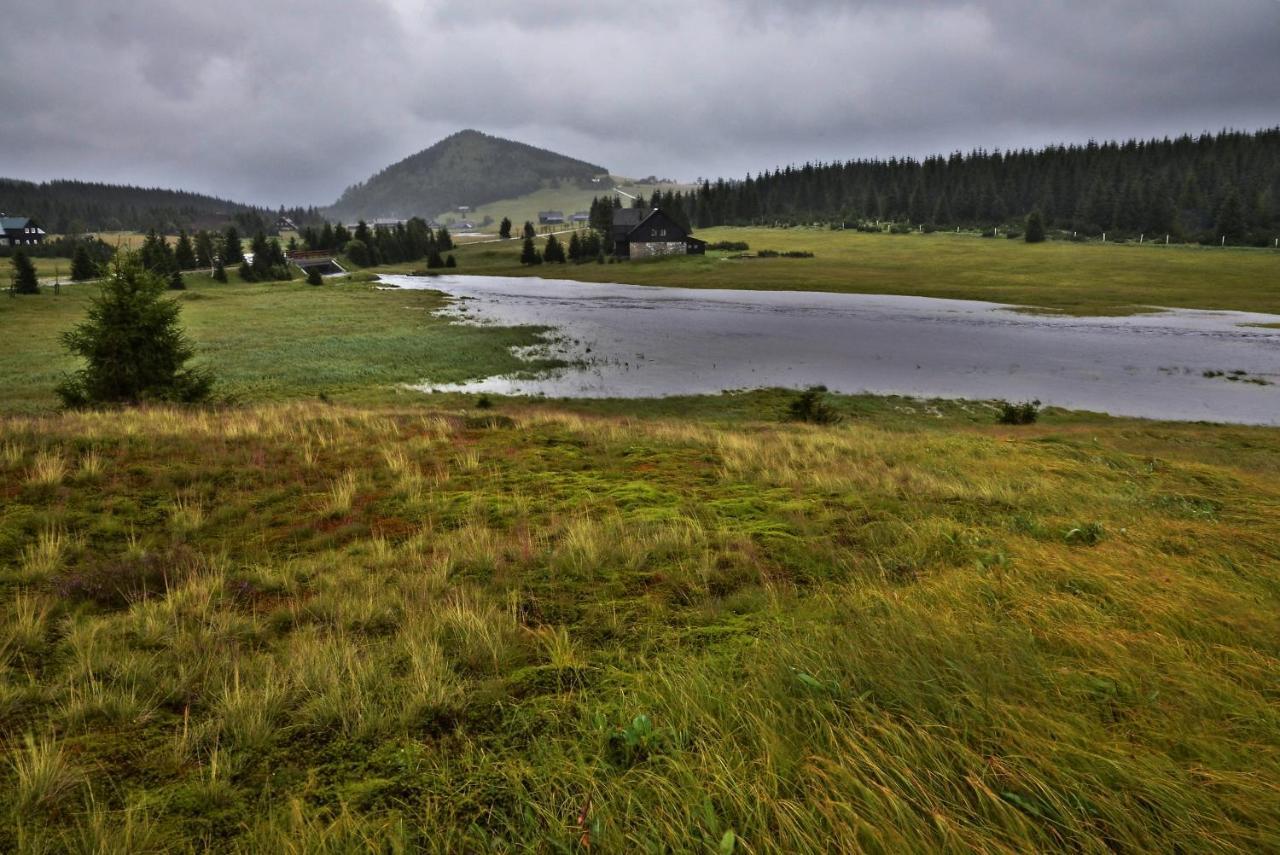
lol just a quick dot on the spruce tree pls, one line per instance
(231, 251)
(1035, 227)
(444, 241)
(313, 276)
(1230, 221)
(434, 261)
(358, 252)
(553, 253)
(246, 272)
(184, 254)
(450, 261)
(204, 249)
(82, 266)
(504, 230)
(175, 281)
(529, 231)
(219, 272)
(133, 346)
(575, 248)
(24, 274)
(529, 253)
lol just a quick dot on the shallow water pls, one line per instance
(635, 341)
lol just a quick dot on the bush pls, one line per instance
(767, 253)
(810, 406)
(358, 252)
(1035, 227)
(314, 277)
(1018, 414)
(729, 246)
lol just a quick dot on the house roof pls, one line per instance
(631, 216)
(8, 223)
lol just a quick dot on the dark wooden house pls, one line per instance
(20, 231)
(648, 232)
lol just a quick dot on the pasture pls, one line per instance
(1058, 276)
(315, 627)
(327, 614)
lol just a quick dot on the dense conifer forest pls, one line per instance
(1192, 188)
(72, 207)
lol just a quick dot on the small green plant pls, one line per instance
(1026, 413)
(1086, 534)
(634, 743)
(811, 406)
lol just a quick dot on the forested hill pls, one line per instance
(1194, 188)
(64, 207)
(468, 168)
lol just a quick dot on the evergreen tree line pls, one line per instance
(367, 246)
(75, 207)
(1193, 188)
(583, 247)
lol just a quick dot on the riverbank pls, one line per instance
(1056, 277)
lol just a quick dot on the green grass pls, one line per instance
(347, 340)
(309, 627)
(1072, 278)
(394, 622)
(566, 198)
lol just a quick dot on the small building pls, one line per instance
(648, 233)
(550, 218)
(20, 231)
(580, 217)
(285, 224)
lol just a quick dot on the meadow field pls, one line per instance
(273, 341)
(1058, 276)
(327, 614)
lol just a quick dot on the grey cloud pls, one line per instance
(292, 101)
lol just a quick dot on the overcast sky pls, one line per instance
(289, 102)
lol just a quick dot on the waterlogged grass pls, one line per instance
(1072, 278)
(311, 627)
(345, 340)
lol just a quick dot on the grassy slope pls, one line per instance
(1085, 279)
(266, 342)
(299, 626)
(566, 199)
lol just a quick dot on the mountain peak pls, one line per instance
(466, 168)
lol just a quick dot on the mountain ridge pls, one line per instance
(468, 168)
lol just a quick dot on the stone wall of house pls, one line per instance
(656, 248)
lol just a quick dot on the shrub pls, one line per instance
(767, 253)
(1018, 414)
(1035, 227)
(729, 246)
(810, 406)
(358, 252)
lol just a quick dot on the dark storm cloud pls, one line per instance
(290, 102)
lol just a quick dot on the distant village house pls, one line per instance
(550, 218)
(580, 217)
(647, 233)
(20, 231)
